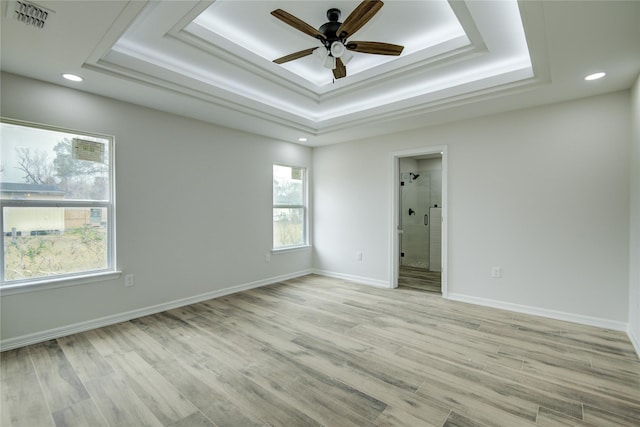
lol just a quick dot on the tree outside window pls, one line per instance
(57, 203)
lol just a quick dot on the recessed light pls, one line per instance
(72, 77)
(595, 76)
(302, 139)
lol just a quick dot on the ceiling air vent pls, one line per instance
(31, 14)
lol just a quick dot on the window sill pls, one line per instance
(290, 249)
(61, 282)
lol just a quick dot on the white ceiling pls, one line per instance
(213, 60)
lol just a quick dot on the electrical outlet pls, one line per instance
(358, 256)
(128, 280)
(496, 272)
(267, 257)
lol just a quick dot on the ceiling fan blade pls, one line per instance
(340, 71)
(375, 48)
(295, 55)
(297, 23)
(360, 16)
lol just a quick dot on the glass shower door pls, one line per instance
(415, 194)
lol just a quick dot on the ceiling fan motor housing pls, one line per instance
(330, 28)
(334, 34)
(333, 14)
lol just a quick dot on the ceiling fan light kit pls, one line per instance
(329, 62)
(346, 57)
(320, 53)
(334, 34)
(337, 49)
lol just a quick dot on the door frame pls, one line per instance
(394, 225)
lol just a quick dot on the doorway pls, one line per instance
(419, 220)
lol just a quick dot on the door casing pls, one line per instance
(394, 250)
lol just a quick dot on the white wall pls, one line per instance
(351, 210)
(193, 208)
(408, 164)
(433, 168)
(634, 247)
(541, 192)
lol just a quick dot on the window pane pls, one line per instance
(288, 185)
(43, 164)
(49, 241)
(288, 227)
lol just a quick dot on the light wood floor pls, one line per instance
(420, 278)
(320, 351)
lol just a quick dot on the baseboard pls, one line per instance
(352, 278)
(634, 340)
(62, 331)
(543, 312)
(75, 328)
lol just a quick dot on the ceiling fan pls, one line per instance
(334, 34)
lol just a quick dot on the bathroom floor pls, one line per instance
(420, 278)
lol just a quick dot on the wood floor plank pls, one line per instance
(272, 335)
(80, 414)
(448, 395)
(619, 386)
(549, 418)
(486, 384)
(627, 366)
(420, 278)
(241, 390)
(601, 417)
(325, 399)
(457, 420)
(60, 383)
(22, 402)
(107, 340)
(118, 404)
(254, 399)
(406, 400)
(164, 401)
(192, 380)
(84, 357)
(194, 420)
(137, 340)
(191, 346)
(322, 351)
(395, 417)
(558, 387)
(383, 388)
(272, 369)
(15, 363)
(346, 352)
(612, 343)
(391, 341)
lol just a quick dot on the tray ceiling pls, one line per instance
(212, 60)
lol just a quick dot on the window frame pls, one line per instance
(75, 278)
(304, 207)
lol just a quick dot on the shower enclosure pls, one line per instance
(420, 219)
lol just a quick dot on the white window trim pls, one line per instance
(304, 207)
(72, 279)
(59, 282)
(285, 249)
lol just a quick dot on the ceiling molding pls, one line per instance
(223, 100)
(476, 57)
(154, 34)
(532, 14)
(452, 50)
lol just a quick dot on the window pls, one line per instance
(289, 207)
(56, 191)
